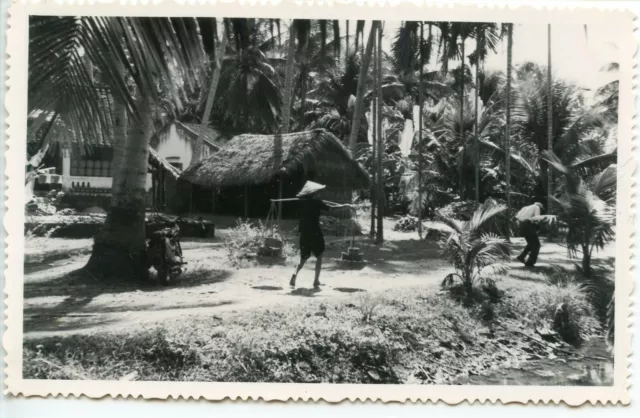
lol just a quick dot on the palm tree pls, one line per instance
(587, 208)
(216, 62)
(420, 126)
(359, 105)
(507, 145)
(58, 81)
(378, 86)
(333, 100)
(549, 119)
(487, 38)
(251, 96)
(311, 59)
(476, 253)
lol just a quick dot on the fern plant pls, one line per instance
(476, 254)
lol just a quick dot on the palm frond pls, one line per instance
(485, 215)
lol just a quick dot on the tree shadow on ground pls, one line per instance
(348, 289)
(68, 315)
(79, 288)
(82, 284)
(301, 291)
(267, 287)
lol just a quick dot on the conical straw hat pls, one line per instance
(310, 188)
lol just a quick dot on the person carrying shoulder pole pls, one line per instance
(311, 237)
(527, 218)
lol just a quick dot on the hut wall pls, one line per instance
(175, 145)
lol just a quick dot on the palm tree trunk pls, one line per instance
(119, 248)
(119, 135)
(419, 144)
(549, 121)
(303, 99)
(476, 151)
(374, 145)
(362, 81)
(463, 191)
(215, 78)
(286, 110)
(346, 55)
(381, 195)
(507, 146)
(374, 164)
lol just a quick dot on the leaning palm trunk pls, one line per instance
(381, 196)
(119, 248)
(362, 81)
(197, 152)
(507, 145)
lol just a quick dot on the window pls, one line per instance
(176, 165)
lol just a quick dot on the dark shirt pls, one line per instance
(310, 214)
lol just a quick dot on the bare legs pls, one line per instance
(316, 282)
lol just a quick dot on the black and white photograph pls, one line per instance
(331, 201)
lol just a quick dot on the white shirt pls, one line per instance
(528, 212)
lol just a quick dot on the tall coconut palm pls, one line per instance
(507, 145)
(359, 105)
(311, 59)
(549, 118)
(216, 62)
(58, 82)
(487, 38)
(420, 127)
(333, 100)
(381, 202)
(251, 96)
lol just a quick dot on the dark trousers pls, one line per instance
(530, 234)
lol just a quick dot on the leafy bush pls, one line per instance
(406, 224)
(460, 210)
(244, 240)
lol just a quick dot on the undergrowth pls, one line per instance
(405, 336)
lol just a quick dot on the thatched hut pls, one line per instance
(246, 171)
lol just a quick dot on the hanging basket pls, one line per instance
(353, 254)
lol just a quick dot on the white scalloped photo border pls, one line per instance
(541, 11)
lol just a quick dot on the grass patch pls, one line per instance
(408, 336)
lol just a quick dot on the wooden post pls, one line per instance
(190, 197)
(154, 185)
(213, 201)
(246, 201)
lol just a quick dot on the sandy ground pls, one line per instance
(57, 302)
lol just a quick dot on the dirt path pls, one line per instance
(56, 302)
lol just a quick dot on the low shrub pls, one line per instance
(243, 241)
(406, 224)
(563, 308)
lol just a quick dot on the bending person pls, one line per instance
(527, 218)
(311, 237)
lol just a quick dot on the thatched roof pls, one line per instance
(251, 160)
